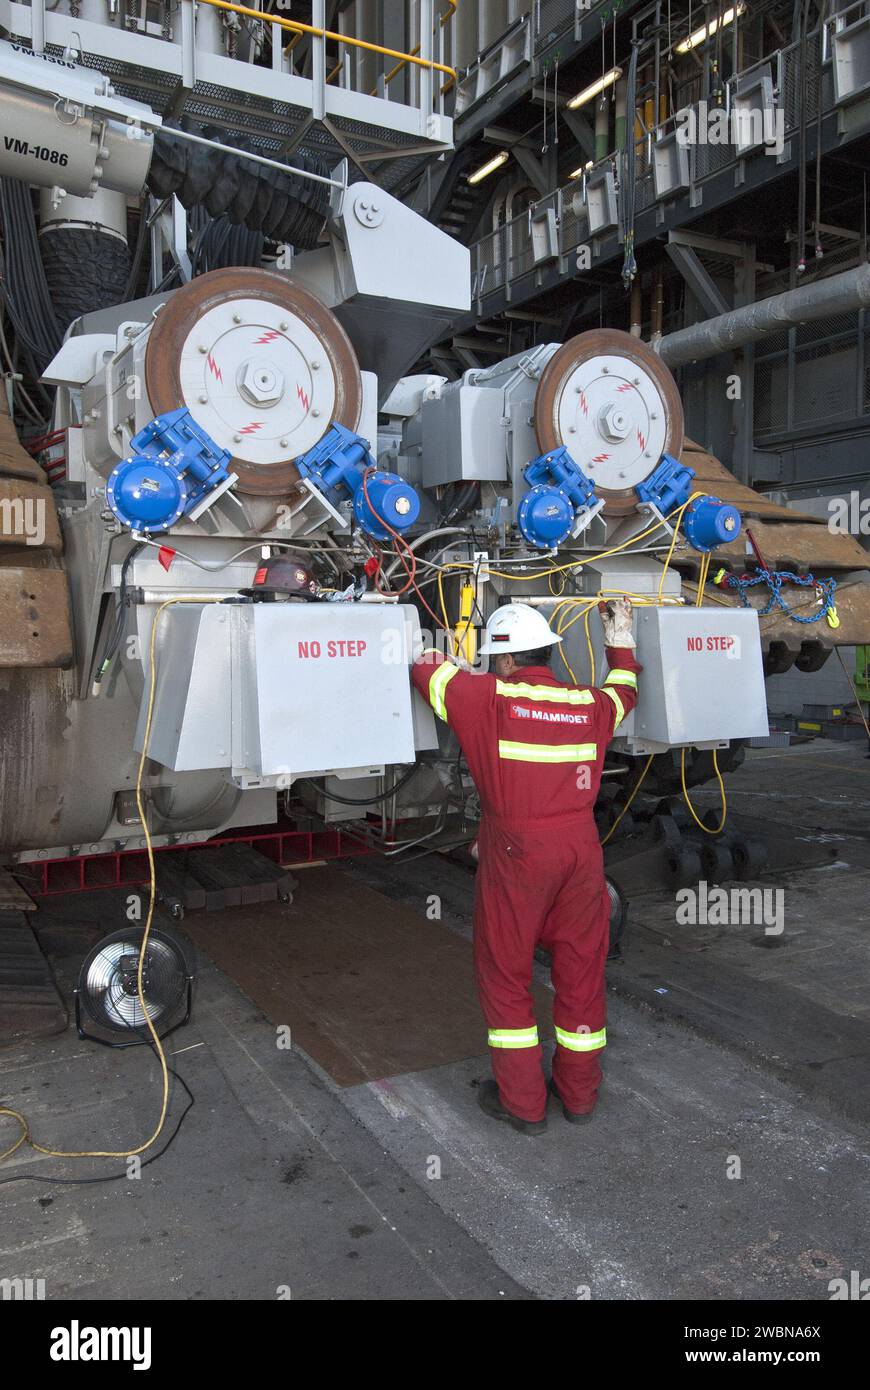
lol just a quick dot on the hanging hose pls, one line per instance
(282, 206)
(802, 143)
(628, 165)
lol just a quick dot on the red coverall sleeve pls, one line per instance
(456, 696)
(617, 697)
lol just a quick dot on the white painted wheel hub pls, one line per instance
(258, 380)
(612, 417)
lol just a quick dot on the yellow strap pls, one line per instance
(553, 694)
(620, 707)
(547, 752)
(513, 1037)
(582, 1042)
(617, 677)
(438, 682)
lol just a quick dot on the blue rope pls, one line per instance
(775, 579)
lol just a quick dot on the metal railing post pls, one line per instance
(318, 61)
(427, 20)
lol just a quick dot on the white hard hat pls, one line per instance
(516, 627)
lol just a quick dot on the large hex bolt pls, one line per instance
(261, 383)
(614, 424)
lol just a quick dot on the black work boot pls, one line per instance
(574, 1117)
(489, 1101)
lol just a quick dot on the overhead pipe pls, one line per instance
(839, 294)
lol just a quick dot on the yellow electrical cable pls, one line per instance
(646, 767)
(577, 564)
(702, 579)
(706, 829)
(25, 1136)
(681, 510)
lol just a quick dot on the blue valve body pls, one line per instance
(668, 485)
(545, 516)
(558, 491)
(709, 522)
(172, 465)
(337, 464)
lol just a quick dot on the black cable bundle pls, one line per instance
(26, 292)
(85, 269)
(216, 243)
(283, 206)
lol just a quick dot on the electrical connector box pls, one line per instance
(274, 691)
(702, 679)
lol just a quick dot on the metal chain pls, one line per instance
(775, 579)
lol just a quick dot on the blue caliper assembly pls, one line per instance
(561, 500)
(174, 469)
(707, 522)
(337, 465)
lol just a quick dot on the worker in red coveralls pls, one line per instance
(535, 748)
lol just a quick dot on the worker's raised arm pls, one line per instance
(620, 684)
(456, 696)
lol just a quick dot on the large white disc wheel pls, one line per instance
(611, 400)
(261, 364)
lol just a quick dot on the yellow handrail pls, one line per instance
(297, 27)
(445, 18)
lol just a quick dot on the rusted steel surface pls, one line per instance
(713, 477)
(182, 312)
(798, 546)
(602, 342)
(852, 601)
(35, 627)
(15, 462)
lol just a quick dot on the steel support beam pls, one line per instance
(696, 276)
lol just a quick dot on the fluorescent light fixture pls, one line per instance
(589, 92)
(584, 169)
(489, 167)
(708, 30)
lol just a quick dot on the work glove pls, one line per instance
(616, 622)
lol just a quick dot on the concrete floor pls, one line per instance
(725, 1054)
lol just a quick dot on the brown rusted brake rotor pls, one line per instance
(605, 342)
(188, 305)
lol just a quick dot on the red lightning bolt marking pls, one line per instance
(269, 336)
(303, 397)
(249, 429)
(583, 403)
(214, 368)
(625, 387)
(599, 458)
(641, 440)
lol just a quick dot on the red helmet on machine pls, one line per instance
(282, 578)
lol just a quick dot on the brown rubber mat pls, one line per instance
(369, 987)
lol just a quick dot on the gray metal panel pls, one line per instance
(670, 163)
(702, 679)
(327, 689)
(190, 729)
(463, 436)
(277, 691)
